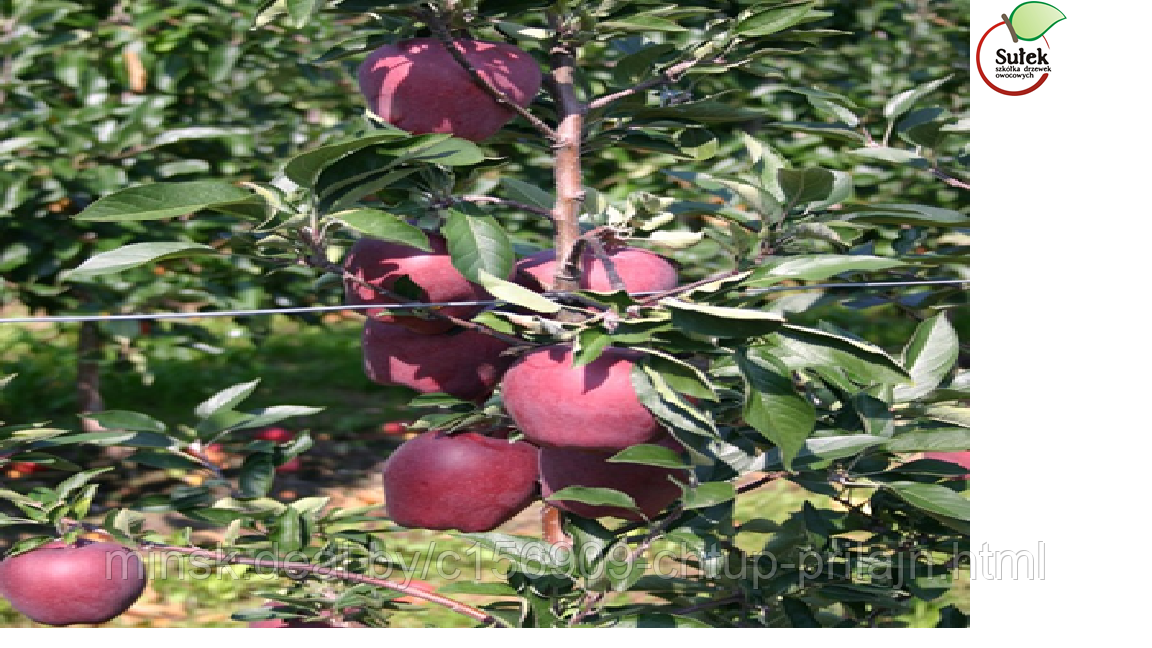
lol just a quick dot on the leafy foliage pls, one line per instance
(703, 135)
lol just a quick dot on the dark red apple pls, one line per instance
(593, 407)
(417, 85)
(464, 481)
(383, 263)
(63, 584)
(640, 270)
(465, 364)
(962, 459)
(651, 487)
(276, 435)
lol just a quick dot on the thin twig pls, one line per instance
(950, 181)
(319, 570)
(671, 75)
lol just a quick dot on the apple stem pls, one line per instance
(436, 23)
(319, 570)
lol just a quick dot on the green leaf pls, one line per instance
(165, 460)
(816, 267)
(531, 556)
(384, 226)
(658, 620)
(929, 356)
(478, 243)
(721, 321)
(256, 475)
(679, 375)
(774, 19)
(708, 494)
(69, 485)
(164, 200)
(801, 347)
(226, 399)
(305, 168)
(590, 342)
(595, 496)
(798, 613)
(289, 535)
(886, 153)
(772, 405)
(1031, 20)
(131, 256)
(946, 439)
(479, 589)
(124, 420)
(892, 214)
(904, 101)
(707, 111)
(528, 194)
(516, 294)
(130, 439)
(806, 185)
(302, 11)
(934, 498)
(817, 449)
(449, 152)
(641, 23)
(649, 454)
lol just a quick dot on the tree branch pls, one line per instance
(319, 570)
(568, 173)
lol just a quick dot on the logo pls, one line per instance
(1014, 57)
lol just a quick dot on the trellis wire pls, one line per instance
(490, 302)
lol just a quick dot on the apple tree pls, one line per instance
(620, 283)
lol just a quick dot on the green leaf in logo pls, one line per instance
(1032, 20)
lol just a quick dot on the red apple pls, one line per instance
(417, 85)
(465, 364)
(962, 459)
(276, 435)
(395, 428)
(464, 481)
(383, 263)
(640, 270)
(63, 584)
(593, 407)
(651, 487)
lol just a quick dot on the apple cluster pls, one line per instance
(571, 419)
